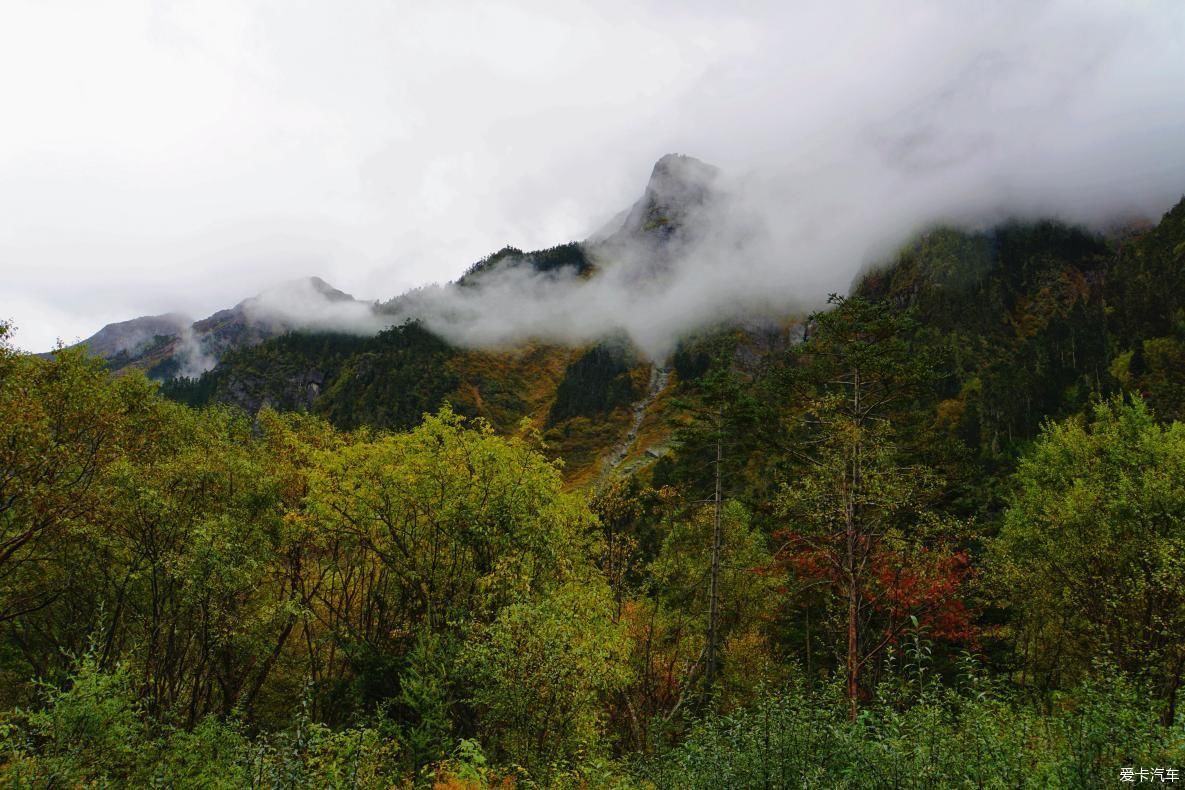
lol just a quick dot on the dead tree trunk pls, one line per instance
(714, 593)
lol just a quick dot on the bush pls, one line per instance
(976, 735)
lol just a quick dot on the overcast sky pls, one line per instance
(160, 156)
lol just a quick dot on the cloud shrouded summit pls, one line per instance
(681, 256)
(174, 157)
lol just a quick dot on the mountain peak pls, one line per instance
(678, 186)
(678, 173)
(302, 287)
(328, 291)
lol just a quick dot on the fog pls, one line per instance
(180, 156)
(313, 304)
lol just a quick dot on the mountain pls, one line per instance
(583, 399)
(679, 189)
(173, 344)
(1028, 321)
(647, 241)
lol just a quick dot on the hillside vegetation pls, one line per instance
(930, 536)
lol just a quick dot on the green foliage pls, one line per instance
(424, 696)
(1149, 280)
(596, 383)
(1019, 311)
(540, 673)
(721, 410)
(859, 523)
(399, 375)
(972, 735)
(94, 733)
(692, 359)
(62, 422)
(678, 579)
(385, 381)
(1092, 553)
(492, 506)
(93, 730)
(570, 256)
(234, 561)
(1154, 370)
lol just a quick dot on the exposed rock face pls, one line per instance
(659, 377)
(669, 217)
(679, 186)
(295, 390)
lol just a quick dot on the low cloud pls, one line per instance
(311, 303)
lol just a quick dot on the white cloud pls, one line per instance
(181, 156)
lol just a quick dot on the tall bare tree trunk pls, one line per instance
(851, 529)
(714, 594)
(853, 636)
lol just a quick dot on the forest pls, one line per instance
(938, 540)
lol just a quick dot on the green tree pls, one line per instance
(542, 672)
(62, 422)
(193, 587)
(463, 521)
(1091, 557)
(431, 531)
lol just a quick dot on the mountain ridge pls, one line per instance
(174, 344)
